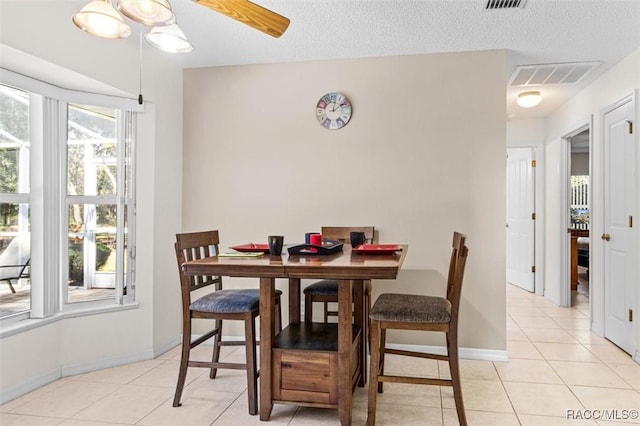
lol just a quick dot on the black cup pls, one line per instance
(275, 244)
(356, 238)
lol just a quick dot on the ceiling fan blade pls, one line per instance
(250, 14)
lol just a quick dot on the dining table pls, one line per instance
(347, 266)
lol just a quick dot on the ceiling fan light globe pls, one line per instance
(529, 99)
(147, 12)
(169, 39)
(100, 19)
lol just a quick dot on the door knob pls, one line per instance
(606, 237)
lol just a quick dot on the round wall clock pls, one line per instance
(333, 111)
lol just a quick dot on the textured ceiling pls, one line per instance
(543, 31)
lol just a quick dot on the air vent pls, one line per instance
(542, 74)
(504, 4)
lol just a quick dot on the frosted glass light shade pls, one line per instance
(101, 19)
(170, 39)
(529, 99)
(147, 12)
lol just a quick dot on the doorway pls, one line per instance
(579, 216)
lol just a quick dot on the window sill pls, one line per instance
(26, 324)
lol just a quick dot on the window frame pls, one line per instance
(48, 182)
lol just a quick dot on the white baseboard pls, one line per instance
(464, 353)
(101, 363)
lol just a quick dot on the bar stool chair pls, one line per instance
(424, 313)
(326, 291)
(218, 305)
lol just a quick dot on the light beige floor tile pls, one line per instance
(522, 349)
(410, 394)
(516, 334)
(480, 418)
(541, 399)
(588, 337)
(128, 405)
(122, 374)
(573, 323)
(74, 422)
(237, 415)
(531, 420)
(588, 374)
(611, 354)
(474, 369)
(410, 366)
(481, 395)
(44, 390)
(549, 335)
(527, 370)
(226, 381)
(629, 373)
(315, 416)
(470, 369)
(527, 321)
(8, 419)
(361, 394)
(565, 352)
(394, 415)
(66, 400)
(166, 375)
(200, 406)
(612, 399)
(558, 312)
(526, 310)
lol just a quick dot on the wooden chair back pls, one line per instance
(457, 264)
(342, 233)
(192, 246)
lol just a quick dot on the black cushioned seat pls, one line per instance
(329, 288)
(229, 301)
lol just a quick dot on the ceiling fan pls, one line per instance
(251, 14)
(102, 18)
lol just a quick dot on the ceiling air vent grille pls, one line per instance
(538, 75)
(504, 4)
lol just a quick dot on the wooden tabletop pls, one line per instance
(342, 265)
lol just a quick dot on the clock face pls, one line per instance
(333, 111)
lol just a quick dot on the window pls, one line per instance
(75, 229)
(15, 291)
(580, 202)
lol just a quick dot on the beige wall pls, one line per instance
(423, 155)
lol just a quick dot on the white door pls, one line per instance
(618, 239)
(520, 217)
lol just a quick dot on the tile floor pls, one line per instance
(555, 365)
